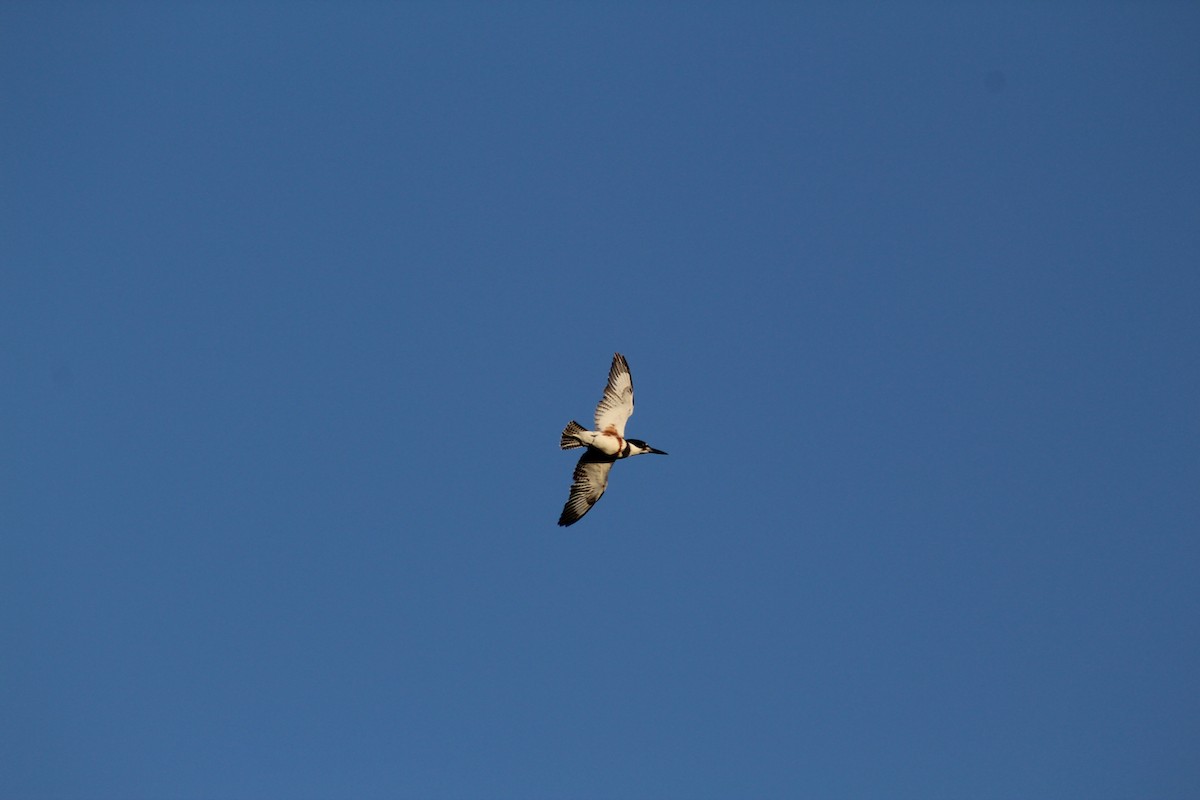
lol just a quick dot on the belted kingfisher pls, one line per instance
(604, 445)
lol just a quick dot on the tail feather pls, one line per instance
(569, 433)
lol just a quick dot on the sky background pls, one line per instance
(296, 298)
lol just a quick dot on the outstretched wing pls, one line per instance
(591, 479)
(617, 404)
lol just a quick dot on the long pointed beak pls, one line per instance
(660, 452)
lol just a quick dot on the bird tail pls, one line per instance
(570, 434)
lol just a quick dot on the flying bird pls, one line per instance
(604, 445)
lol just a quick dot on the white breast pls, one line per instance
(607, 443)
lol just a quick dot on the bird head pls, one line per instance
(637, 447)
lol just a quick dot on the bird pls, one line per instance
(605, 445)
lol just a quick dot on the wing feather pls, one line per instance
(590, 481)
(616, 407)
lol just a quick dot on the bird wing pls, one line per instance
(591, 479)
(617, 404)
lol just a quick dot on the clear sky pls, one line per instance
(296, 298)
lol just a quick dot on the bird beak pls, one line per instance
(660, 452)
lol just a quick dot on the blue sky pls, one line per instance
(295, 300)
